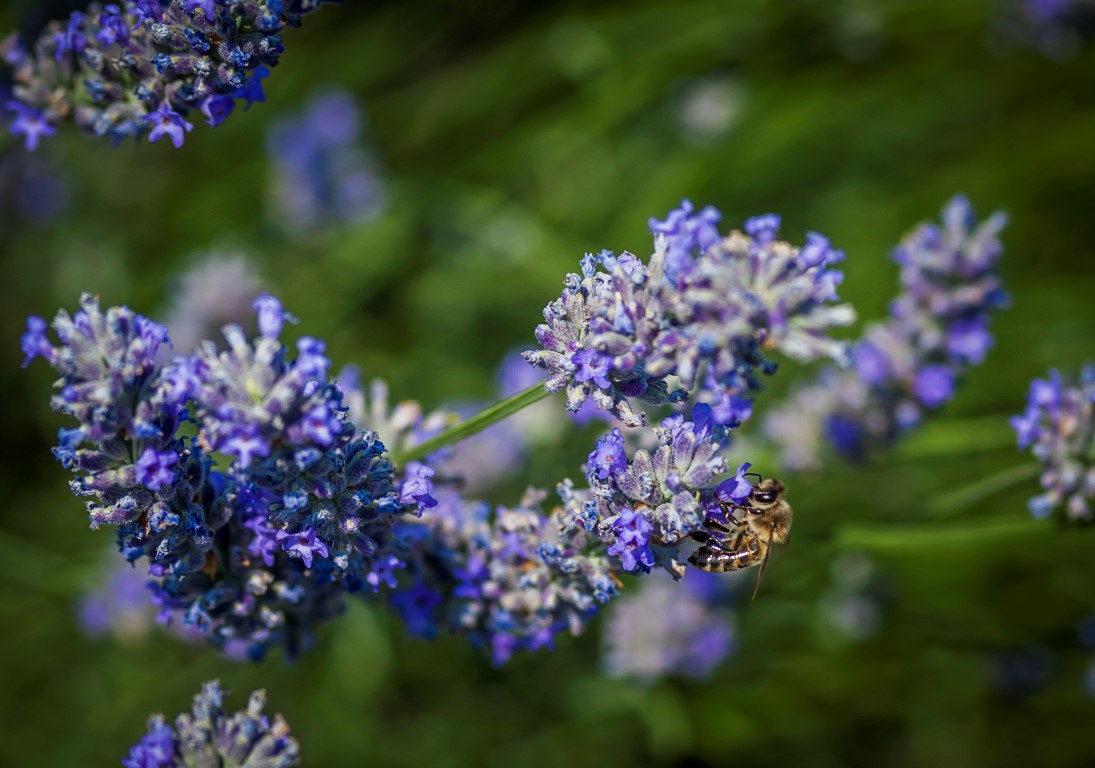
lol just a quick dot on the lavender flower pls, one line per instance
(911, 364)
(509, 583)
(209, 737)
(1058, 426)
(323, 174)
(644, 509)
(258, 551)
(668, 629)
(140, 67)
(706, 309)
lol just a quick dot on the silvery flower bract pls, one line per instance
(208, 738)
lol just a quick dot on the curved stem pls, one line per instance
(955, 500)
(473, 424)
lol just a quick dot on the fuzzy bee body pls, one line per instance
(766, 528)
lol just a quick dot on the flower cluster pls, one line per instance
(667, 629)
(208, 737)
(1058, 426)
(646, 507)
(509, 581)
(706, 309)
(910, 364)
(322, 173)
(142, 66)
(261, 549)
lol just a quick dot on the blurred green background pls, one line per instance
(514, 137)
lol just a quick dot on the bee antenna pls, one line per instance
(757, 475)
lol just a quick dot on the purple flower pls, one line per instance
(35, 343)
(113, 28)
(305, 545)
(217, 108)
(1058, 427)
(632, 544)
(167, 122)
(593, 366)
(271, 316)
(30, 123)
(252, 90)
(934, 385)
(608, 458)
(737, 489)
(682, 234)
(208, 7)
(155, 469)
(155, 749)
(417, 487)
(384, 573)
(764, 229)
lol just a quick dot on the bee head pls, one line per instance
(766, 495)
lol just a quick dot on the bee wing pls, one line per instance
(763, 563)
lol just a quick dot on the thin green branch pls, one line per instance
(959, 436)
(927, 536)
(473, 424)
(953, 501)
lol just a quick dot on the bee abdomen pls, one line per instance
(719, 560)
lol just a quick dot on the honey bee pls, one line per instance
(765, 528)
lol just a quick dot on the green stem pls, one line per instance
(929, 537)
(959, 436)
(955, 500)
(473, 424)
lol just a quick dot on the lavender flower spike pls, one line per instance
(909, 365)
(140, 67)
(706, 309)
(644, 509)
(258, 551)
(209, 737)
(508, 584)
(1058, 427)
